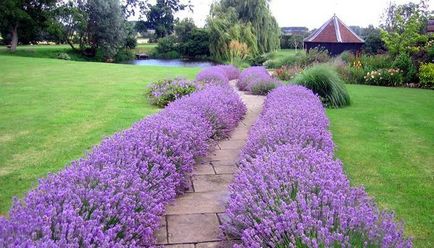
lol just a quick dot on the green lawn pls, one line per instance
(52, 111)
(386, 142)
(43, 51)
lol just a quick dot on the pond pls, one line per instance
(171, 62)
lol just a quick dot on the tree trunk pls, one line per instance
(14, 42)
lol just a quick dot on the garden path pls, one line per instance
(193, 219)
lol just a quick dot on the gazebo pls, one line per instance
(335, 37)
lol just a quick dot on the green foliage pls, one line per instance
(405, 36)
(302, 59)
(249, 22)
(373, 42)
(163, 92)
(106, 26)
(262, 89)
(291, 41)
(286, 73)
(426, 75)
(323, 80)
(385, 77)
(406, 65)
(24, 18)
(167, 48)
(63, 56)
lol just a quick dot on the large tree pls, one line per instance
(91, 26)
(248, 22)
(160, 16)
(30, 14)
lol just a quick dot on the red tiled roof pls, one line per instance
(334, 31)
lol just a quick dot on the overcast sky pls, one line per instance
(311, 13)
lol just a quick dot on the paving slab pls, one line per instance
(225, 169)
(226, 155)
(209, 183)
(194, 203)
(232, 144)
(193, 228)
(203, 169)
(193, 220)
(219, 244)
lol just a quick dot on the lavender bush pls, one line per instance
(213, 75)
(291, 192)
(249, 74)
(230, 71)
(262, 85)
(163, 92)
(115, 195)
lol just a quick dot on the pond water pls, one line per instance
(171, 62)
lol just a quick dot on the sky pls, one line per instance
(311, 13)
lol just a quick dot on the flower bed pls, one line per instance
(291, 192)
(115, 196)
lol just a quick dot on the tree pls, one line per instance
(373, 42)
(160, 16)
(258, 13)
(106, 27)
(406, 35)
(15, 14)
(94, 25)
(395, 15)
(184, 28)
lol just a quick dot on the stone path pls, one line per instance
(193, 219)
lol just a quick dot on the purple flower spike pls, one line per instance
(291, 192)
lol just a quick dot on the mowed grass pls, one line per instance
(52, 111)
(386, 142)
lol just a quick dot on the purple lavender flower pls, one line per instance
(213, 75)
(291, 192)
(250, 74)
(116, 195)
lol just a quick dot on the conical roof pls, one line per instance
(334, 31)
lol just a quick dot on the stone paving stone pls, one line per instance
(189, 187)
(203, 169)
(194, 203)
(193, 228)
(219, 244)
(232, 144)
(208, 183)
(226, 155)
(216, 164)
(225, 169)
(161, 234)
(180, 246)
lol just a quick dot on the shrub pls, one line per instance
(167, 48)
(286, 73)
(249, 74)
(230, 71)
(405, 64)
(375, 62)
(385, 77)
(314, 56)
(291, 192)
(262, 85)
(426, 75)
(63, 56)
(323, 80)
(163, 92)
(116, 195)
(213, 75)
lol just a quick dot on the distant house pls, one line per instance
(335, 37)
(430, 27)
(294, 31)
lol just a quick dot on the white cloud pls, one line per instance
(310, 13)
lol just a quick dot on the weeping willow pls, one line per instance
(245, 21)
